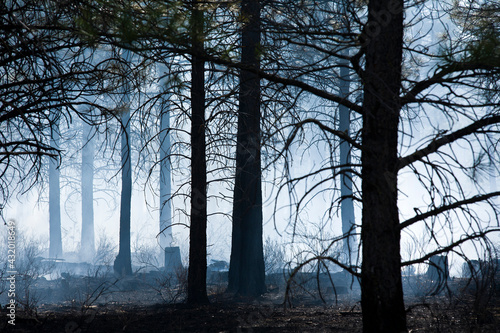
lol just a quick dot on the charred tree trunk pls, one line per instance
(197, 272)
(247, 271)
(55, 239)
(123, 262)
(381, 287)
(87, 245)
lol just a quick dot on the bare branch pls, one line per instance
(447, 139)
(444, 208)
(450, 247)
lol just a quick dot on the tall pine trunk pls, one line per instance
(123, 262)
(87, 245)
(197, 272)
(247, 271)
(350, 244)
(165, 238)
(55, 239)
(381, 287)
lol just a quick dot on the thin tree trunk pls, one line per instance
(381, 287)
(346, 205)
(87, 246)
(197, 272)
(165, 237)
(123, 262)
(247, 271)
(55, 239)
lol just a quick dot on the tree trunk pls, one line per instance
(165, 236)
(123, 262)
(165, 182)
(55, 239)
(381, 287)
(350, 244)
(247, 271)
(87, 245)
(197, 272)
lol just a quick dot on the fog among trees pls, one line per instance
(248, 153)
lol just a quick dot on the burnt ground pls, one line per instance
(239, 317)
(134, 305)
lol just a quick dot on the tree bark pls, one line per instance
(381, 287)
(247, 271)
(197, 272)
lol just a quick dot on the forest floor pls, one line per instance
(138, 310)
(239, 317)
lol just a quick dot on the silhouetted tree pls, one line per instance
(123, 262)
(445, 93)
(197, 273)
(247, 271)
(381, 285)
